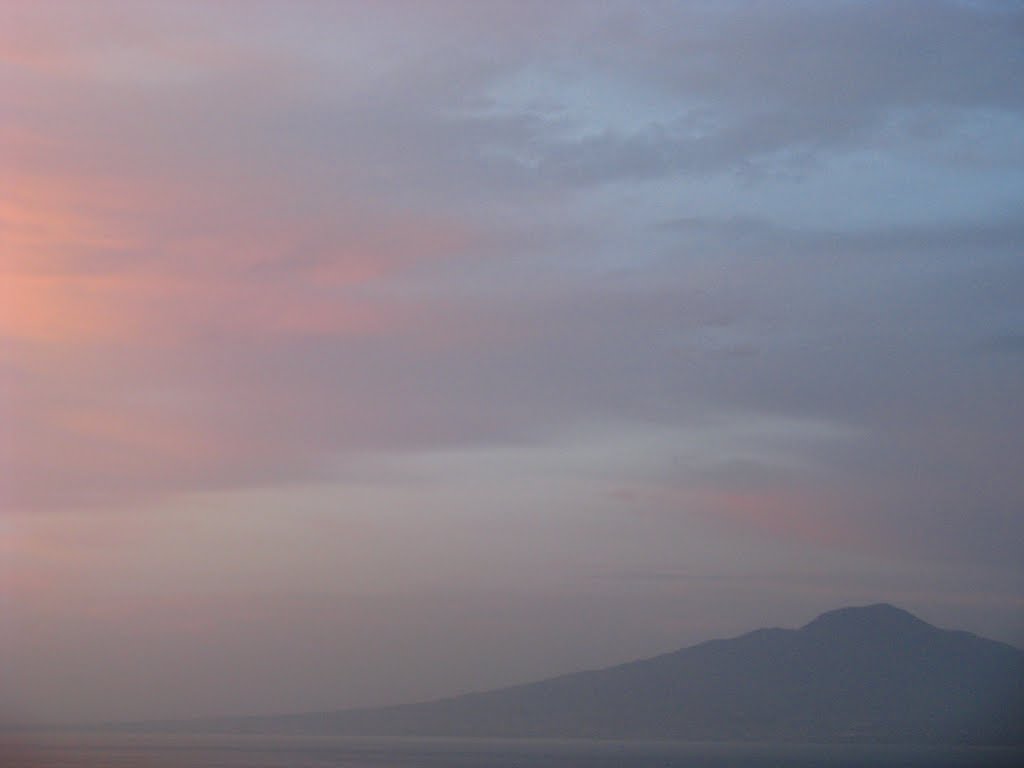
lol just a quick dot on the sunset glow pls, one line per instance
(324, 326)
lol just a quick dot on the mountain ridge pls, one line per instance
(872, 674)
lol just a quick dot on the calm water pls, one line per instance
(105, 751)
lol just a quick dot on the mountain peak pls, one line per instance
(875, 617)
(869, 674)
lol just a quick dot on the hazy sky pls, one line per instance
(354, 353)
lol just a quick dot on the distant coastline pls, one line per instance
(866, 675)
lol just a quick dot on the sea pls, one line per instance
(102, 750)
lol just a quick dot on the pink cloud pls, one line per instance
(798, 513)
(111, 291)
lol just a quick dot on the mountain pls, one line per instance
(866, 674)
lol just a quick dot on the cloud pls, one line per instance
(244, 252)
(720, 88)
(324, 326)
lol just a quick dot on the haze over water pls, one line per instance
(256, 752)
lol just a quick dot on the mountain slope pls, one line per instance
(874, 673)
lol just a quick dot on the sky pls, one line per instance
(357, 353)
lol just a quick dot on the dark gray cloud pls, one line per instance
(749, 83)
